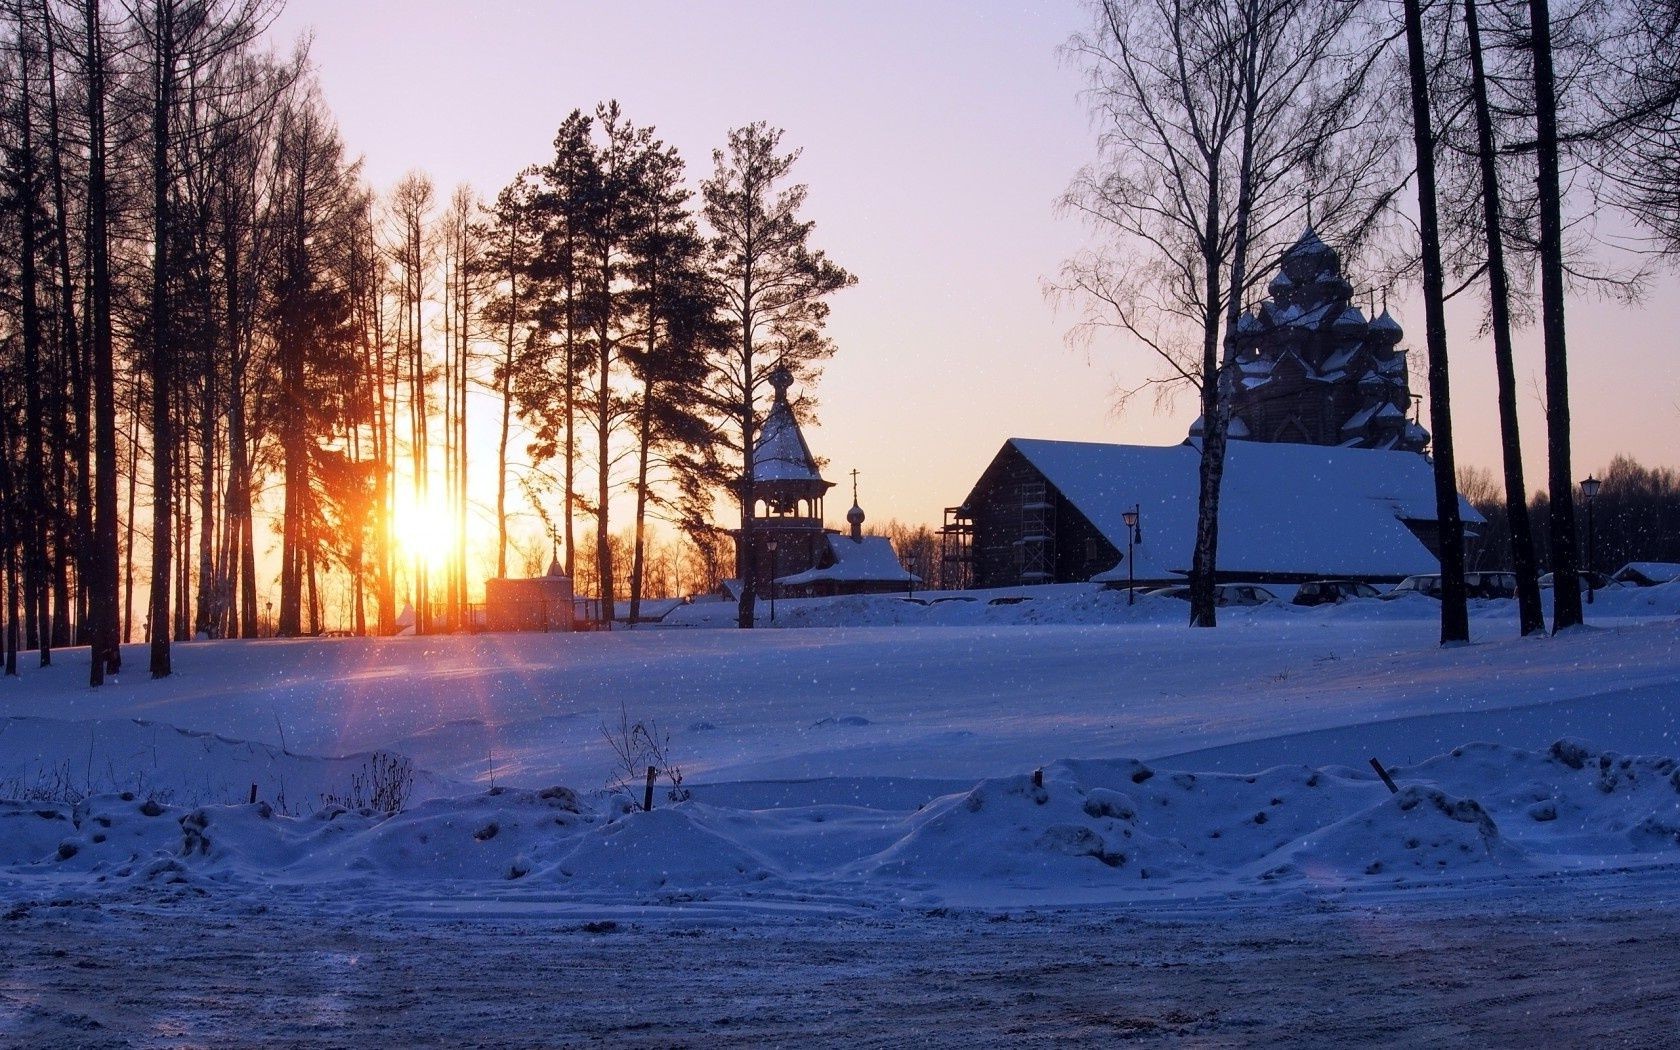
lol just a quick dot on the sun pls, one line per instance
(425, 532)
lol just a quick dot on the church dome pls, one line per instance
(855, 515)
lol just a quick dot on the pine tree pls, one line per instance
(773, 286)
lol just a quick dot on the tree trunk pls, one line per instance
(36, 570)
(1566, 592)
(163, 431)
(1529, 613)
(746, 544)
(1455, 617)
(102, 583)
(1204, 558)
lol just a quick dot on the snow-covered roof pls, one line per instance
(1338, 361)
(871, 560)
(1654, 571)
(1284, 508)
(1360, 418)
(1307, 244)
(780, 453)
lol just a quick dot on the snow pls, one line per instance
(967, 783)
(1645, 573)
(871, 559)
(1284, 508)
(781, 454)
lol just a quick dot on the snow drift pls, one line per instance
(1089, 830)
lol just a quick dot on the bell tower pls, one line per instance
(788, 494)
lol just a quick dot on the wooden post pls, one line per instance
(1038, 778)
(647, 796)
(1386, 779)
(253, 794)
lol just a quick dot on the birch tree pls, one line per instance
(1219, 121)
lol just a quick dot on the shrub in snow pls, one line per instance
(384, 784)
(637, 747)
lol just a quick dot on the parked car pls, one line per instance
(1476, 585)
(1331, 592)
(1598, 581)
(1223, 594)
(1647, 573)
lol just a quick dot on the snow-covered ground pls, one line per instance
(897, 773)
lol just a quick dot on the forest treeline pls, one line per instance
(207, 312)
(1635, 517)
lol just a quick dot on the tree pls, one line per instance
(1566, 597)
(772, 285)
(1529, 614)
(411, 206)
(510, 246)
(1221, 121)
(677, 314)
(196, 42)
(1641, 107)
(314, 219)
(1455, 616)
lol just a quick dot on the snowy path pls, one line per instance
(1583, 965)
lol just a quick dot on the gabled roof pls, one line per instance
(871, 560)
(1284, 508)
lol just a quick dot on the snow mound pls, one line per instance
(1419, 832)
(1091, 823)
(1569, 800)
(667, 849)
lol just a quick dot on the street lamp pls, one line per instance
(772, 581)
(1133, 537)
(1589, 489)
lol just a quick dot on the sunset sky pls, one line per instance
(937, 137)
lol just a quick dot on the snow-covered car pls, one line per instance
(1332, 592)
(1598, 581)
(1647, 573)
(1476, 585)
(1223, 594)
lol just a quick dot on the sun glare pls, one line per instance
(426, 533)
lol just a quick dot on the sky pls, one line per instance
(936, 137)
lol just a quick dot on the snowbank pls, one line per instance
(1087, 830)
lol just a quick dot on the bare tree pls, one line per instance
(1219, 123)
(1531, 619)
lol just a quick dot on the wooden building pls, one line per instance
(1052, 512)
(792, 550)
(541, 603)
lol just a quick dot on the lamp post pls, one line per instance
(1133, 537)
(772, 581)
(1589, 489)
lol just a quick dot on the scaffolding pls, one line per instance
(1037, 542)
(956, 550)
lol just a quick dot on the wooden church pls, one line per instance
(1311, 369)
(792, 553)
